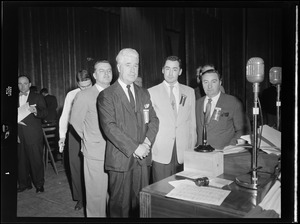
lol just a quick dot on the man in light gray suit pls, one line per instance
(177, 127)
(226, 121)
(84, 119)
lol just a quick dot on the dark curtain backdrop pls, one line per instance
(56, 42)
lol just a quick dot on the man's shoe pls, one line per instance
(78, 206)
(21, 189)
(40, 189)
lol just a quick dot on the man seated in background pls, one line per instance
(222, 114)
(51, 103)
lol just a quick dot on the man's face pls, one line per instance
(211, 84)
(171, 71)
(128, 69)
(103, 74)
(85, 84)
(23, 84)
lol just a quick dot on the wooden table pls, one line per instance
(239, 202)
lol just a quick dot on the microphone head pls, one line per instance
(255, 70)
(275, 75)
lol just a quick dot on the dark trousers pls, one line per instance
(76, 165)
(124, 188)
(30, 158)
(161, 171)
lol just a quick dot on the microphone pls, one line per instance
(275, 79)
(275, 75)
(254, 74)
(204, 147)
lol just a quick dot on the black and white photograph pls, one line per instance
(140, 111)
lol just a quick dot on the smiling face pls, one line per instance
(211, 84)
(128, 69)
(171, 71)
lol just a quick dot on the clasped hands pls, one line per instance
(142, 151)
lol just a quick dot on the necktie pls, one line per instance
(207, 111)
(132, 102)
(23, 94)
(173, 101)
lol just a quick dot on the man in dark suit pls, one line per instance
(30, 138)
(130, 124)
(226, 120)
(51, 103)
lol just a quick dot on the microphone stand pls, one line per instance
(204, 147)
(252, 180)
(278, 104)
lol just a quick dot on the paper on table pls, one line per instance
(176, 183)
(270, 141)
(194, 193)
(233, 149)
(23, 111)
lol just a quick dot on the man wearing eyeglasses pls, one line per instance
(75, 159)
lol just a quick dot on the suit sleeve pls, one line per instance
(41, 107)
(193, 131)
(108, 120)
(153, 121)
(239, 122)
(78, 113)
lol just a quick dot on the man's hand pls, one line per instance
(142, 151)
(61, 144)
(32, 109)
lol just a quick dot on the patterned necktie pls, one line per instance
(172, 99)
(207, 111)
(132, 102)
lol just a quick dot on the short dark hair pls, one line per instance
(211, 71)
(44, 90)
(83, 75)
(24, 76)
(173, 58)
(100, 61)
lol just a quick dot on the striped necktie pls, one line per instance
(207, 111)
(132, 102)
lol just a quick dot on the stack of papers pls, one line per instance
(208, 195)
(270, 140)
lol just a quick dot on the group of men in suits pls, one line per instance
(125, 128)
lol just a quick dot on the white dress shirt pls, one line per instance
(23, 99)
(65, 116)
(175, 92)
(124, 87)
(213, 103)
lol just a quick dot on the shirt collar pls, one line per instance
(168, 85)
(215, 98)
(100, 88)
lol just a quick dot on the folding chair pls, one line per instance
(49, 134)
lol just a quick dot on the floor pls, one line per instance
(56, 201)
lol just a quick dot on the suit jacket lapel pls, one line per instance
(213, 123)
(165, 97)
(120, 92)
